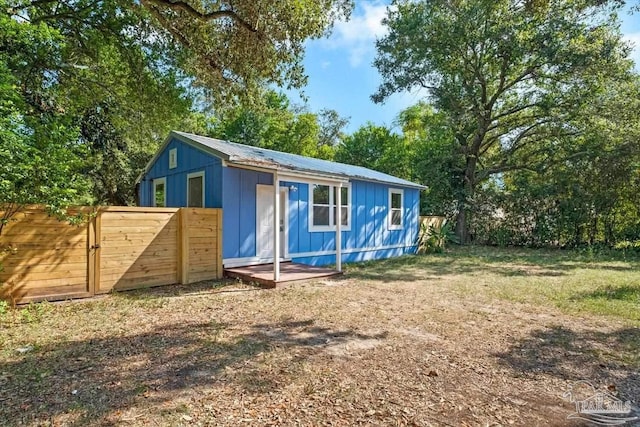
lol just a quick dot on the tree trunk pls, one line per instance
(464, 208)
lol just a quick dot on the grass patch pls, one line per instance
(574, 281)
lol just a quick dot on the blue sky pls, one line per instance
(342, 77)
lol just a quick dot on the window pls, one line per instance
(160, 192)
(396, 200)
(173, 158)
(324, 209)
(195, 190)
(344, 203)
(321, 206)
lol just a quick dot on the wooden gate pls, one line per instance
(136, 249)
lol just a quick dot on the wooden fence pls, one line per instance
(118, 248)
(436, 221)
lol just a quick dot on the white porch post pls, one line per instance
(339, 229)
(276, 227)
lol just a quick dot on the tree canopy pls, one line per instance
(509, 78)
(96, 84)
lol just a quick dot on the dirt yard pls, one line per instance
(473, 337)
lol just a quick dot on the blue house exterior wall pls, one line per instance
(369, 236)
(190, 160)
(239, 212)
(234, 190)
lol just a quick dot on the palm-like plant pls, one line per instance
(433, 239)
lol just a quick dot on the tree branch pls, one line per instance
(205, 16)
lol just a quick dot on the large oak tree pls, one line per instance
(510, 75)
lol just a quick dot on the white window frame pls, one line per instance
(332, 205)
(156, 182)
(173, 158)
(400, 226)
(195, 175)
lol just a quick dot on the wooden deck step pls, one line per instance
(290, 272)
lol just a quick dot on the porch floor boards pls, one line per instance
(290, 272)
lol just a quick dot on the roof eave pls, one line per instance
(271, 167)
(185, 140)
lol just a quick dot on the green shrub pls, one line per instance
(433, 239)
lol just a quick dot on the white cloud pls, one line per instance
(325, 64)
(358, 35)
(634, 39)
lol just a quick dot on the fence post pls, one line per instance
(183, 244)
(220, 272)
(97, 252)
(93, 260)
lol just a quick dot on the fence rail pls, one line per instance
(118, 248)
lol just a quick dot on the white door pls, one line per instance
(264, 222)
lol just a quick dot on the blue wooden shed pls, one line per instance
(317, 213)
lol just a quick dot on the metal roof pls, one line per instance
(246, 155)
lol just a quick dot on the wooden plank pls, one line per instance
(98, 253)
(29, 283)
(199, 277)
(116, 274)
(148, 266)
(183, 243)
(153, 222)
(132, 253)
(150, 282)
(26, 258)
(138, 282)
(138, 230)
(15, 276)
(203, 244)
(132, 243)
(91, 256)
(48, 240)
(56, 294)
(35, 267)
(202, 269)
(115, 217)
(137, 209)
(115, 261)
(200, 255)
(51, 291)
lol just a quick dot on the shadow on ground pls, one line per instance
(605, 359)
(97, 377)
(206, 287)
(620, 293)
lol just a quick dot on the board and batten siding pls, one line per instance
(239, 213)
(368, 238)
(189, 160)
(234, 189)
